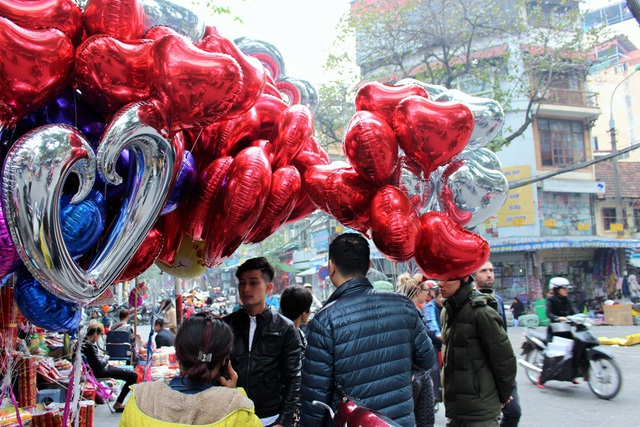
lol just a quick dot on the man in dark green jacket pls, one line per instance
(479, 364)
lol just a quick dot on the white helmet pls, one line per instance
(559, 282)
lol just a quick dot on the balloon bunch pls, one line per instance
(417, 174)
(131, 133)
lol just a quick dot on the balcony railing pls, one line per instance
(574, 98)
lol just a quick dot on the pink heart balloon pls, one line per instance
(382, 99)
(283, 195)
(122, 19)
(196, 88)
(395, 226)
(371, 147)
(238, 205)
(36, 66)
(432, 133)
(446, 251)
(111, 74)
(64, 15)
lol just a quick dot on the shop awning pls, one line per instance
(308, 272)
(286, 268)
(517, 244)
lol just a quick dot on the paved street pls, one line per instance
(560, 404)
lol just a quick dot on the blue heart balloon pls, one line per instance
(184, 183)
(42, 308)
(82, 223)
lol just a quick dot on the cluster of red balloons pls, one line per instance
(396, 130)
(231, 127)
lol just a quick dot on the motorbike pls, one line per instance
(583, 357)
(352, 413)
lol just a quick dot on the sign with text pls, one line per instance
(519, 208)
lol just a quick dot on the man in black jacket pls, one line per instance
(363, 342)
(266, 349)
(164, 337)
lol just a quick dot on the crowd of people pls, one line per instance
(399, 354)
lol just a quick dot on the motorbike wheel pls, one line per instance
(605, 381)
(536, 358)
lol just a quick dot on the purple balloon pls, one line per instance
(9, 257)
(184, 184)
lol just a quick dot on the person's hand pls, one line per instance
(439, 336)
(232, 377)
(562, 319)
(502, 405)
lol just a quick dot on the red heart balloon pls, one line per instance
(395, 226)
(291, 132)
(371, 147)
(314, 180)
(238, 205)
(195, 87)
(432, 133)
(65, 15)
(382, 98)
(349, 199)
(446, 251)
(171, 228)
(36, 66)
(111, 74)
(254, 76)
(269, 109)
(311, 154)
(122, 19)
(144, 256)
(159, 31)
(209, 184)
(283, 195)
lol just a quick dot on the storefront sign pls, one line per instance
(519, 208)
(573, 186)
(551, 223)
(616, 227)
(563, 255)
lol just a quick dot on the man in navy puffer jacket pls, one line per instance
(363, 341)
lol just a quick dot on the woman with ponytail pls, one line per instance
(204, 393)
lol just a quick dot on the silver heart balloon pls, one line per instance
(170, 14)
(488, 117)
(433, 90)
(34, 175)
(469, 193)
(420, 190)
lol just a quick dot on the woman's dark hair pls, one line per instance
(203, 341)
(294, 301)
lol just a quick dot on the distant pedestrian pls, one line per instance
(363, 341)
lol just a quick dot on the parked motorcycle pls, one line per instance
(544, 361)
(352, 413)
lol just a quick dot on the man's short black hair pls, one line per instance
(294, 301)
(259, 263)
(349, 252)
(123, 314)
(159, 322)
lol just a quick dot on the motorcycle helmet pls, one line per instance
(559, 282)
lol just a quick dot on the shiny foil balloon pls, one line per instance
(196, 88)
(204, 197)
(488, 117)
(184, 184)
(144, 257)
(420, 190)
(111, 74)
(82, 223)
(283, 196)
(371, 147)
(35, 172)
(446, 251)
(36, 65)
(122, 19)
(432, 133)
(254, 75)
(293, 128)
(395, 226)
(65, 15)
(432, 90)
(8, 253)
(485, 158)
(238, 205)
(349, 198)
(269, 109)
(189, 260)
(382, 99)
(172, 227)
(314, 181)
(171, 14)
(266, 53)
(470, 193)
(156, 33)
(42, 308)
(298, 91)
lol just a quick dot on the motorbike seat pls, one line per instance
(541, 335)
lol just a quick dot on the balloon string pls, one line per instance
(15, 405)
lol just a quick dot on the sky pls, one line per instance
(302, 30)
